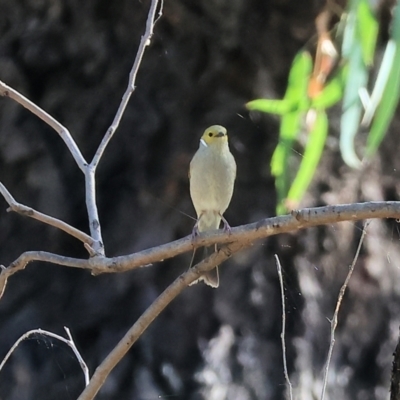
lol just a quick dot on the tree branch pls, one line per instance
(162, 301)
(337, 309)
(239, 238)
(30, 212)
(7, 91)
(70, 342)
(283, 332)
(243, 235)
(144, 42)
(24, 259)
(93, 214)
(97, 245)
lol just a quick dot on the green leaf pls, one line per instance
(381, 82)
(279, 107)
(368, 29)
(331, 93)
(352, 108)
(395, 35)
(391, 91)
(296, 93)
(299, 77)
(357, 78)
(289, 129)
(311, 157)
(386, 107)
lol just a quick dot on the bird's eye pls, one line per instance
(210, 134)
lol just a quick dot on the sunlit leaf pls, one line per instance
(299, 76)
(390, 94)
(289, 129)
(296, 92)
(312, 155)
(332, 92)
(279, 107)
(368, 29)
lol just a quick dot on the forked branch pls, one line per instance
(96, 246)
(70, 342)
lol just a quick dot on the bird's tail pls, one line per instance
(210, 278)
(208, 221)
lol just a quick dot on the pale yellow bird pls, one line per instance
(212, 176)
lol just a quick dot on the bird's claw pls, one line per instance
(195, 232)
(227, 227)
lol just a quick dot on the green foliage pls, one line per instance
(355, 55)
(312, 154)
(385, 95)
(309, 95)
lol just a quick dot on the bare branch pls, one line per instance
(144, 42)
(94, 221)
(82, 363)
(93, 215)
(285, 370)
(7, 91)
(159, 12)
(30, 212)
(21, 262)
(238, 239)
(165, 298)
(298, 219)
(243, 235)
(336, 313)
(69, 342)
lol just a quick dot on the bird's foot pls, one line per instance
(227, 227)
(195, 232)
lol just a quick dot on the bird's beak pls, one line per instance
(220, 134)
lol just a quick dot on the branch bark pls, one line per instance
(243, 235)
(144, 42)
(46, 219)
(137, 329)
(7, 91)
(96, 247)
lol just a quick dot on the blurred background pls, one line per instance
(207, 59)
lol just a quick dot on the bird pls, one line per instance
(212, 177)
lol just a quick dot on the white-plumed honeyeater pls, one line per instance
(212, 176)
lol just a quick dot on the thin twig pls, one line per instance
(336, 313)
(159, 15)
(244, 235)
(285, 370)
(69, 342)
(46, 219)
(144, 42)
(7, 91)
(163, 300)
(21, 262)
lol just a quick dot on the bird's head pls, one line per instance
(214, 135)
